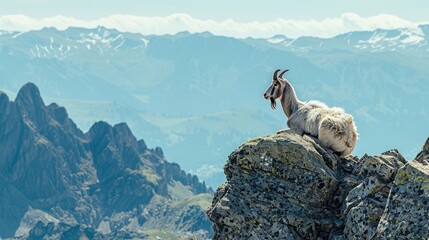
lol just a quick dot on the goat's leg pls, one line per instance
(286, 130)
(290, 130)
(315, 139)
(327, 154)
(298, 131)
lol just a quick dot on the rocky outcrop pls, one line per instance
(406, 213)
(56, 180)
(62, 231)
(286, 186)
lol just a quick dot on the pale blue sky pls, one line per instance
(240, 10)
(236, 18)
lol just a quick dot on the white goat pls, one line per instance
(334, 128)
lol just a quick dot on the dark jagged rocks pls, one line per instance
(423, 156)
(286, 186)
(56, 180)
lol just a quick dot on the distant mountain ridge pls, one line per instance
(200, 95)
(101, 40)
(379, 40)
(104, 181)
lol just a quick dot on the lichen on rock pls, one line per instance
(286, 186)
(406, 213)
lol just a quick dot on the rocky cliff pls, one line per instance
(58, 182)
(287, 187)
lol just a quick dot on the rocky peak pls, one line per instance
(31, 105)
(100, 128)
(426, 146)
(57, 112)
(119, 133)
(4, 99)
(115, 146)
(29, 96)
(142, 145)
(100, 134)
(423, 156)
(286, 186)
(123, 135)
(76, 182)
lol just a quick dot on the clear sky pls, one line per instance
(240, 11)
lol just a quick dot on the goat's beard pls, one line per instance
(273, 103)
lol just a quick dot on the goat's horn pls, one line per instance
(282, 73)
(275, 74)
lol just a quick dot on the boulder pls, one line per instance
(278, 186)
(286, 186)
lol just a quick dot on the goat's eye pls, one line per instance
(275, 85)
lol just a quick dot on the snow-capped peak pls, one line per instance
(393, 39)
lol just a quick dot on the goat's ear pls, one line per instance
(282, 73)
(275, 74)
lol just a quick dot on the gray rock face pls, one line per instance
(278, 186)
(287, 187)
(406, 214)
(52, 173)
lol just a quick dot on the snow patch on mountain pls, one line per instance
(375, 41)
(145, 41)
(53, 43)
(394, 39)
(276, 40)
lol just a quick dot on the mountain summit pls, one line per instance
(58, 182)
(286, 186)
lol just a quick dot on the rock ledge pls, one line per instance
(287, 187)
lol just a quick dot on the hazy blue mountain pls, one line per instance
(57, 182)
(200, 95)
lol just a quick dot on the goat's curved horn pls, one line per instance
(282, 73)
(275, 74)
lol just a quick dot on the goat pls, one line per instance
(333, 128)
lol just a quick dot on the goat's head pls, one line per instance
(275, 90)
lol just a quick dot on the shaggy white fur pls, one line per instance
(334, 128)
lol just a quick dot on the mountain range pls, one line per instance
(200, 95)
(57, 182)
